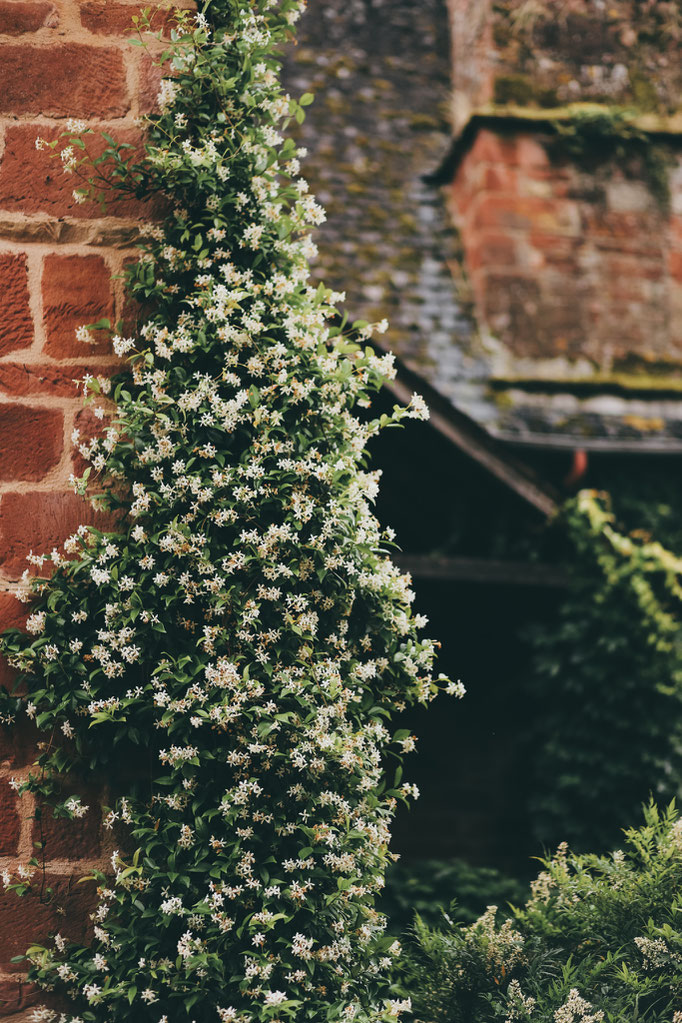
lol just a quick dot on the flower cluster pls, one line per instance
(577, 1010)
(243, 638)
(519, 1006)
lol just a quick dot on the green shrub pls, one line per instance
(600, 938)
(606, 683)
(434, 887)
(241, 644)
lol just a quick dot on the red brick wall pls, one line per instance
(58, 59)
(471, 37)
(569, 265)
(574, 267)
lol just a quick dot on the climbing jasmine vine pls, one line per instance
(230, 655)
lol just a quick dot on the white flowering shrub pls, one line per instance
(244, 639)
(598, 941)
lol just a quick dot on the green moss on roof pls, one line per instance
(625, 52)
(379, 124)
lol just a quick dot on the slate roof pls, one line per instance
(377, 131)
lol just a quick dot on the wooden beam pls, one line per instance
(483, 570)
(505, 117)
(472, 440)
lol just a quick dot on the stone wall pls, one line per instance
(574, 271)
(546, 53)
(567, 186)
(59, 269)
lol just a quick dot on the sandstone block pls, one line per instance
(16, 322)
(17, 17)
(10, 823)
(12, 616)
(71, 79)
(76, 291)
(31, 441)
(71, 839)
(27, 919)
(150, 83)
(104, 17)
(32, 182)
(46, 378)
(40, 521)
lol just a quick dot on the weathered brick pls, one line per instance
(493, 148)
(31, 441)
(675, 266)
(563, 261)
(10, 823)
(71, 79)
(526, 213)
(16, 323)
(625, 196)
(106, 17)
(639, 233)
(15, 995)
(17, 17)
(12, 616)
(18, 744)
(530, 153)
(32, 182)
(548, 242)
(511, 306)
(76, 291)
(619, 267)
(468, 179)
(71, 839)
(496, 250)
(552, 251)
(28, 919)
(552, 179)
(149, 85)
(47, 378)
(39, 521)
(499, 178)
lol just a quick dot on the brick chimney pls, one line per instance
(567, 186)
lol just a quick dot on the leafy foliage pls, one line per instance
(241, 642)
(645, 499)
(599, 939)
(607, 682)
(433, 888)
(595, 134)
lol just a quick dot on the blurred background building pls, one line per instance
(503, 183)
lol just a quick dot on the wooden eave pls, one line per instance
(528, 574)
(505, 117)
(472, 440)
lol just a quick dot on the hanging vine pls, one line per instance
(243, 638)
(607, 684)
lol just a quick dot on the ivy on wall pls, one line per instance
(601, 136)
(607, 682)
(242, 641)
